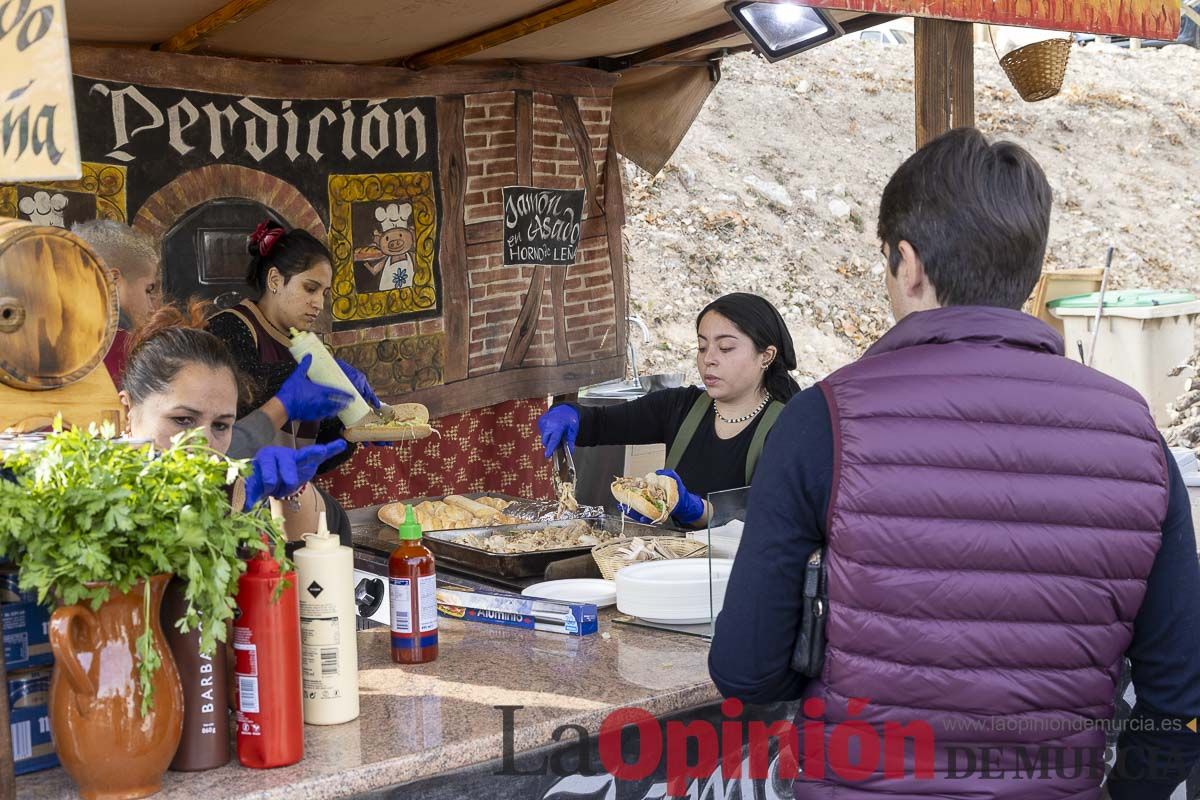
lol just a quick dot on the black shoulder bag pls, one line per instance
(809, 654)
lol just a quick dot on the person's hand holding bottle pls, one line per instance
(305, 400)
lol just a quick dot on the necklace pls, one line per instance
(739, 420)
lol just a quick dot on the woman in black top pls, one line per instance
(744, 355)
(292, 272)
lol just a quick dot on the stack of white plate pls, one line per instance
(674, 592)
(722, 541)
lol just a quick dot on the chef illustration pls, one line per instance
(390, 257)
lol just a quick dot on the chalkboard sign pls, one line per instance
(541, 226)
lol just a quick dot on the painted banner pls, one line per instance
(403, 175)
(38, 139)
(1142, 19)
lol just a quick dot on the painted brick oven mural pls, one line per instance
(404, 176)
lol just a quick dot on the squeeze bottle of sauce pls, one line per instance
(266, 646)
(414, 596)
(325, 371)
(328, 642)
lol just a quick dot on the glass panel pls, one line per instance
(723, 535)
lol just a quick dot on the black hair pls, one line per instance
(291, 252)
(168, 341)
(976, 213)
(761, 321)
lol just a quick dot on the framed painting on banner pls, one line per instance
(99, 194)
(383, 237)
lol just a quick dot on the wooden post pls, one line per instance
(944, 80)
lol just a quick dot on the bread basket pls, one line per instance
(609, 562)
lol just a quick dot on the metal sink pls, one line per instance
(630, 389)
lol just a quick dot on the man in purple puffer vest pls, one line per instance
(1003, 527)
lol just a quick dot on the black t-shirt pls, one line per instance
(710, 463)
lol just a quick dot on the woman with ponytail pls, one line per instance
(715, 434)
(178, 377)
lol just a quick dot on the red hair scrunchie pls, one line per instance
(265, 236)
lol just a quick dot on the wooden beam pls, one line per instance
(296, 82)
(577, 132)
(479, 42)
(681, 45)
(490, 232)
(527, 321)
(614, 216)
(190, 37)
(452, 243)
(521, 382)
(944, 77)
(525, 328)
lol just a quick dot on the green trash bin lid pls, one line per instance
(1128, 298)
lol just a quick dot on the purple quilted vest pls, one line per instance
(996, 510)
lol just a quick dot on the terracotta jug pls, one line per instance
(110, 750)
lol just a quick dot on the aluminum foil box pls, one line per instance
(516, 611)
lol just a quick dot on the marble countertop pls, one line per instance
(419, 721)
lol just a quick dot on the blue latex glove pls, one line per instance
(281, 471)
(306, 401)
(560, 422)
(360, 382)
(690, 506)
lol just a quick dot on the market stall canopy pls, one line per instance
(666, 51)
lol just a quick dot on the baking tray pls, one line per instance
(538, 512)
(518, 565)
(523, 565)
(444, 546)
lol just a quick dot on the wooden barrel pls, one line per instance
(58, 307)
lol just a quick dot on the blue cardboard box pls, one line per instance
(26, 635)
(33, 749)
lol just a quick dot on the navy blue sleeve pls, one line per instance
(651, 419)
(785, 521)
(1157, 753)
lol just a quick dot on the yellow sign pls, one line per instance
(38, 137)
(1192, 725)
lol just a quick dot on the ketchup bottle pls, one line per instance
(414, 597)
(266, 645)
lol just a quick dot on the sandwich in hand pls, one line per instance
(654, 496)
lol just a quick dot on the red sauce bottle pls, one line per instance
(414, 596)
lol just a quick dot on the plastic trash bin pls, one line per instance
(1144, 335)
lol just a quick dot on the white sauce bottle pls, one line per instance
(325, 371)
(328, 638)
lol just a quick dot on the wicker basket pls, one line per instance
(1037, 70)
(609, 562)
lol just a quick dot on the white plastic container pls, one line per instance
(1144, 335)
(328, 637)
(325, 371)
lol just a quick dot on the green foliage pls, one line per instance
(89, 513)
